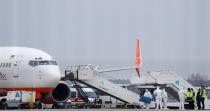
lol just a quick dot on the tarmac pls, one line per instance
(103, 110)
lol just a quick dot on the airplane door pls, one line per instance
(38, 72)
(16, 66)
(40, 75)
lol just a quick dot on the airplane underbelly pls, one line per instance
(25, 80)
(25, 84)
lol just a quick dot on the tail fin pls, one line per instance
(136, 66)
(138, 57)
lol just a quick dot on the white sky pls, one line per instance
(175, 34)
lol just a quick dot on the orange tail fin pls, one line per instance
(138, 57)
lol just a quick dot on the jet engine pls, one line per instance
(62, 92)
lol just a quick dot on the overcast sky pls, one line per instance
(174, 34)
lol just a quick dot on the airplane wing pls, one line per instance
(117, 69)
(137, 65)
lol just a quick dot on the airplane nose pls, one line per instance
(51, 75)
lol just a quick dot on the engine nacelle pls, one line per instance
(62, 92)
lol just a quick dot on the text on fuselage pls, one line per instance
(3, 76)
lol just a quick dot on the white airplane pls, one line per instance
(29, 69)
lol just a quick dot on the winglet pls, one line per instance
(138, 57)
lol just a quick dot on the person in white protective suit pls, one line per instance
(165, 98)
(158, 98)
(149, 95)
(181, 94)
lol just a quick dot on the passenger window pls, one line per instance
(0, 65)
(3, 65)
(9, 65)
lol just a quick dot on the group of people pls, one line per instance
(192, 98)
(159, 95)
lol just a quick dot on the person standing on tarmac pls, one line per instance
(198, 99)
(181, 94)
(165, 98)
(158, 98)
(203, 96)
(149, 96)
(193, 98)
(189, 98)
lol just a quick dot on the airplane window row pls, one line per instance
(5, 65)
(44, 62)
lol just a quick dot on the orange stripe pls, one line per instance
(37, 89)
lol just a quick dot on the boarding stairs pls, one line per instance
(90, 76)
(171, 79)
(81, 93)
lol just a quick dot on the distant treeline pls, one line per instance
(194, 79)
(120, 81)
(198, 80)
(199, 83)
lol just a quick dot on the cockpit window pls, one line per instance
(31, 63)
(53, 63)
(42, 62)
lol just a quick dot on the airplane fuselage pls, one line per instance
(27, 69)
